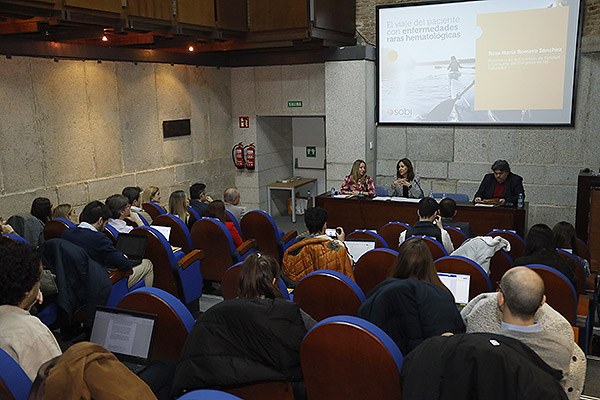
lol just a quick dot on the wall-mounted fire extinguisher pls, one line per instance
(237, 154)
(250, 156)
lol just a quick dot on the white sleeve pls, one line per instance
(447, 242)
(401, 238)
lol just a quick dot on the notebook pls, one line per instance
(133, 246)
(165, 230)
(358, 247)
(126, 334)
(458, 284)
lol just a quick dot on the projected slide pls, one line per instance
(478, 62)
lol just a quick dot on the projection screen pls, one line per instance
(486, 62)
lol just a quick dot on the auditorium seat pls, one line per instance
(348, 358)
(456, 235)
(480, 281)
(499, 264)
(578, 270)
(173, 324)
(583, 250)
(180, 234)
(154, 209)
(55, 227)
(14, 382)
(366, 234)
(560, 292)
(391, 231)
(373, 268)
(454, 196)
(212, 236)
(325, 293)
(270, 240)
(436, 248)
(11, 238)
(517, 244)
(208, 394)
(111, 233)
(231, 218)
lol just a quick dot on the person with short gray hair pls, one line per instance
(231, 198)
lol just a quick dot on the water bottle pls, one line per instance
(431, 193)
(444, 195)
(332, 191)
(520, 200)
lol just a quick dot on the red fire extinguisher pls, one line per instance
(250, 156)
(237, 154)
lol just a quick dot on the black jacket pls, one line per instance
(478, 366)
(426, 228)
(242, 341)
(512, 187)
(98, 246)
(410, 311)
(80, 280)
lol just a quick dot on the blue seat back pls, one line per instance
(173, 302)
(453, 196)
(480, 281)
(366, 234)
(338, 360)
(13, 376)
(112, 230)
(208, 394)
(431, 242)
(190, 281)
(234, 220)
(15, 238)
(67, 222)
(381, 191)
(174, 220)
(564, 303)
(194, 213)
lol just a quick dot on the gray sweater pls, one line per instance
(414, 192)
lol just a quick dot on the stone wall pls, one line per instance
(77, 131)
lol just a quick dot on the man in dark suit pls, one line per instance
(502, 185)
(88, 235)
(198, 198)
(448, 211)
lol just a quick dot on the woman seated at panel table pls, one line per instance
(358, 182)
(406, 184)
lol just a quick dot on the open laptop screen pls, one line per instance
(458, 284)
(358, 247)
(127, 334)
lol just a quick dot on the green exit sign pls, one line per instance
(311, 151)
(295, 103)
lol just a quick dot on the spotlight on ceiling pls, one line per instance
(104, 38)
(191, 48)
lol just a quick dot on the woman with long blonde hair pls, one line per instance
(178, 205)
(358, 182)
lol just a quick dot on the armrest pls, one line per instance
(583, 305)
(576, 334)
(190, 258)
(289, 236)
(117, 275)
(245, 247)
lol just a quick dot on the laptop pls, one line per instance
(133, 246)
(459, 285)
(358, 247)
(126, 334)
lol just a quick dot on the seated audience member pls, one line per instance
(66, 211)
(198, 198)
(5, 227)
(254, 338)
(540, 249)
(120, 209)
(406, 184)
(448, 211)
(429, 224)
(31, 227)
(502, 185)
(216, 209)
(519, 310)
(151, 194)
(317, 250)
(178, 205)
(565, 238)
(88, 235)
(134, 195)
(232, 203)
(358, 182)
(42, 209)
(413, 304)
(23, 336)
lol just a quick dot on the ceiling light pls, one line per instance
(104, 38)
(191, 48)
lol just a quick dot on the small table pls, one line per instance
(291, 186)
